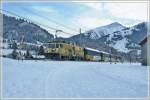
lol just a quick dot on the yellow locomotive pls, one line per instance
(63, 51)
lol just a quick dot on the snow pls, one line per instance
(38, 56)
(23, 24)
(96, 50)
(9, 51)
(123, 33)
(92, 49)
(94, 35)
(121, 45)
(104, 30)
(33, 44)
(71, 79)
(108, 29)
(5, 45)
(6, 51)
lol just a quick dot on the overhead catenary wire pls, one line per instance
(53, 21)
(35, 22)
(75, 23)
(59, 24)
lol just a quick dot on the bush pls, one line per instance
(14, 45)
(41, 50)
(28, 55)
(14, 54)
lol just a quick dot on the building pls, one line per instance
(145, 53)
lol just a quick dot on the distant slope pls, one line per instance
(104, 30)
(128, 37)
(122, 38)
(33, 33)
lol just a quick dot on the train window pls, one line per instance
(57, 45)
(73, 48)
(61, 45)
(51, 45)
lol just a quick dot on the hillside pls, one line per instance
(12, 27)
(117, 36)
(114, 36)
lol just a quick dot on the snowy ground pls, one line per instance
(9, 51)
(67, 79)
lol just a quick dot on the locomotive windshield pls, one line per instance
(50, 45)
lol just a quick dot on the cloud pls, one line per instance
(136, 11)
(96, 6)
(87, 14)
(99, 13)
(130, 10)
(92, 17)
(91, 22)
(44, 9)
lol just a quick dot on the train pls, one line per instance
(63, 51)
(70, 51)
(102, 56)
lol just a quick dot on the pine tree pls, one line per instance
(28, 55)
(14, 45)
(85, 53)
(41, 50)
(14, 54)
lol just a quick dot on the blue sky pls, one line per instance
(75, 15)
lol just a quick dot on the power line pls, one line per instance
(60, 24)
(35, 22)
(53, 21)
(75, 24)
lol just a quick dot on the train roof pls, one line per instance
(91, 49)
(31, 44)
(60, 41)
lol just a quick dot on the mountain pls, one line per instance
(139, 31)
(127, 39)
(12, 27)
(104, 30)
(115, 35)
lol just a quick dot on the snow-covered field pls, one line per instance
(9, 51)
(68, 79)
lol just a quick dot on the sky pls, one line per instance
(71, 16)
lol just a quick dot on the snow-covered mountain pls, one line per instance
(128, 38)
(104, 30)
(122, 38)
(115, 35)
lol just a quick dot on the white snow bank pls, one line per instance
(9, 51)
(91, 49)
(67, 79)
(121, 45)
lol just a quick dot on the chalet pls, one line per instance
(145, 47)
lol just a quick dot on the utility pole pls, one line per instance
(109, 51)
(80, 31)
(80, 43)
(55, 37)
(21, 40)
(36, 45)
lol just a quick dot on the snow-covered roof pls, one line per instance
(33, 44)
(92, 49)
(104, 52)
(96, 50)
